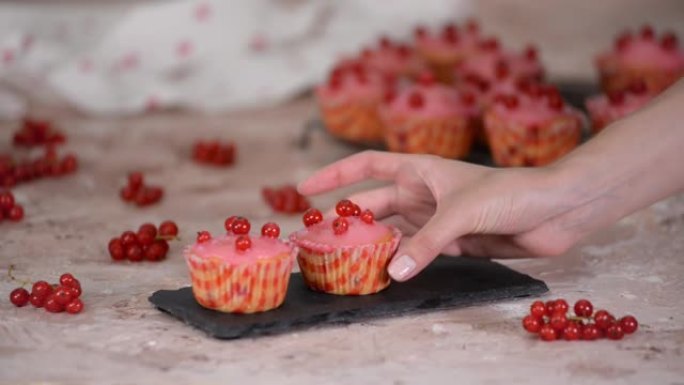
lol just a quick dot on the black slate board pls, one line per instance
(446, 283)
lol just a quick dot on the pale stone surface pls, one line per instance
(635, 266)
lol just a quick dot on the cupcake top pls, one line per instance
(493, 64)
(392, 59)
(351, 80)
(237, 246)
(532, 105)
(616, 105)
(352, 227)
(646, 50)
(426, 98)
(451, 40)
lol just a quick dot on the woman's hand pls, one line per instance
(457, 208)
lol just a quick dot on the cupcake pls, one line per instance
(491, 64)
(531, 128)
(236, 273)
(607, 108)
(349, 102)
(392, 59)
(641, 58)
(443, 50)
(430, 118)
(346, 255)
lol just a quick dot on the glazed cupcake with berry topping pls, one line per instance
(239, 273)
(393, 59)
(345, 255)
(644, 57)
(532, 127)
(446, 48)
(349, 102)
(430, 118)
(607, 108)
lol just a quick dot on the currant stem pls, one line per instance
(15, 279)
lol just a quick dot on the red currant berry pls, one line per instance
(558, 321)
(74, 307)
(591, 332)
(240, 226)
(116, 249)
(311, 217)
(616, 98)
(156, 251)
(549, 307)
(168, 229)
(228, 224)
(537, 309)
(560, 306)
(41, 288)
(203, 236)
(614, 331)
(52, 305)
(76, 291)
(547, 333)
(340, 225)
(271, 230)
(416, 100)
(532, 324)
(62, 295)
(426, 79)
(572, 332)
(148, 228)
(629, 324)
(16, 213)
(135, 180)
(6, 201)
(19, 297)
(134, 253)
(367, 216)
(669, 41)
(37, 300)
(603, 319)
(67, 280)
(344, 208)
(243, 243)
(356, 211)
(145, 237)
(583, 308)
(127, 193)
(129, 238)
(647, 32)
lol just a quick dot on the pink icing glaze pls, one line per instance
(224, 248)
(483, 63)
(352, 88)
(440, 101)
(647, 53)
(359, 233)
(601, 105)
(390, 61)
(531, 111)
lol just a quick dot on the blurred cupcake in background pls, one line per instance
(656, 61)
(532, 127)
(349, 102)
(607, 108)
(430, 118)
(393, 59)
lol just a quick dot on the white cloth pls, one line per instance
(201, 54)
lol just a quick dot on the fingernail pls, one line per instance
(401, 267)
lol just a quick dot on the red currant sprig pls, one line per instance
(148, 243)
(552, 322)
(214, 153)
(285, 199)
(54, 298)
(139, 193)
(34, 132)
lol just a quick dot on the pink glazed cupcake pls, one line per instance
(346, 255)
(393, 59)
(443, 50)
(349, 102)
(641, 58)
(430, 118)
(533, 127)
(607, 108)
(236, 273)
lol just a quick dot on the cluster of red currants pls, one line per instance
(240, 226)
(13, 172)
(137, 192)
(344, 208)
(149, 243)
(54, 298)
(214, 153)
(551, 321)
(35, 132)
(9, 208)
(285, 199)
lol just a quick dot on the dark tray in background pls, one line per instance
(446, 283)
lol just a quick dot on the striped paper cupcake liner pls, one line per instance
(448, 137)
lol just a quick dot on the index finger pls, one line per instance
(353, 169)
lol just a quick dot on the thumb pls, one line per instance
(421, 249)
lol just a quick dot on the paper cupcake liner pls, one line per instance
(448, 137)
(517, 145)
(615, 77)
(240, 288)
(355, 270)
(356, 122)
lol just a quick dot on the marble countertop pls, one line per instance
(634, 267)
